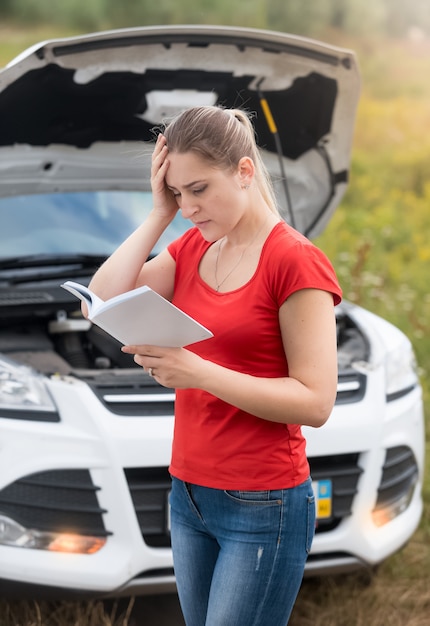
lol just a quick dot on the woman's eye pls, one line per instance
(199, 190)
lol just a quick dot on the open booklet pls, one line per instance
(140, 316)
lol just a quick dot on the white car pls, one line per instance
(85, 434)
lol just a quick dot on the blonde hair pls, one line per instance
(221, 137)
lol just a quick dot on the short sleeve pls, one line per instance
(174, 248)
(305, 266)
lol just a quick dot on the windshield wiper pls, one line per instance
(46, 260)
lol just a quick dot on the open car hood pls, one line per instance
(79, 113)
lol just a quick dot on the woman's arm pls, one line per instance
(306, 396)
(127, 268)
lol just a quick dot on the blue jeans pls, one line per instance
(239, 556)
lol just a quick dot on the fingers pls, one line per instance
(145, 356)
(159, 153)
(143, 362)
(162, 196)
(143, 350)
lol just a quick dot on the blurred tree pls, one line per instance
(86, 14)
(401, 16)
(142, 12)
(6, 8)
(303, 17)
(357, 17)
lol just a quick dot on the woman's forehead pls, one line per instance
(186, 168)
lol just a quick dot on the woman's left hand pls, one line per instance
(176, 368)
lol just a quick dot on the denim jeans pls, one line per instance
(239, 556)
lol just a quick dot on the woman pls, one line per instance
(242, 506)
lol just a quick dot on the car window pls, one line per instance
(81, 223)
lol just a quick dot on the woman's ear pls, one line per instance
(246, 172)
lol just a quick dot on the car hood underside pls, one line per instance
(81, 111)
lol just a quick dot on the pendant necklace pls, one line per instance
(219, 284)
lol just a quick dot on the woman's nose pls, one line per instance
(188, 208)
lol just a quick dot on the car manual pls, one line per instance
(140, 316)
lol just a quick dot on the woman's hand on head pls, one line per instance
(164, 201)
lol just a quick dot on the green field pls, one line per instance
(379, 242)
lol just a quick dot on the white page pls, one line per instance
(142, 316)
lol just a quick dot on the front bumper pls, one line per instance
(127, 457)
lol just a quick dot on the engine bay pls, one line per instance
(62, 342)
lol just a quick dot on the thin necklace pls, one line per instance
(217, 284)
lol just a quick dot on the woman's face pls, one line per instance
(211, 198)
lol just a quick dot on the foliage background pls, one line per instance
(379, 238)
(307, 17)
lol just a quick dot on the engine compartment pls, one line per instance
(62, 345)
(62, 342)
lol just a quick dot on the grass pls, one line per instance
(92, 613)
(379, 243)
(350, 602)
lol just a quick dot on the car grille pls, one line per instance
(344, 472)
(399, 475)
(149, 489)
(136, 395)
(139, 395)
(351, 387)
(55, 501)
(20, 298)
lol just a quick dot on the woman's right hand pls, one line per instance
(164, 202)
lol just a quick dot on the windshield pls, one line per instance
(92, 223)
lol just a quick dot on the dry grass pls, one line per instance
(351, 602)
(384, 599)
(33, 613)
(397, 594)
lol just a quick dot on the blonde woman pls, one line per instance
(242, 506)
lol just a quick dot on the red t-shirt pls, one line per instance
(216, 444)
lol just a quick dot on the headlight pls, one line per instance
(400, 371)
(23, 393)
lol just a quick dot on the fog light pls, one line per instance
(15, 535)
(390, 510)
